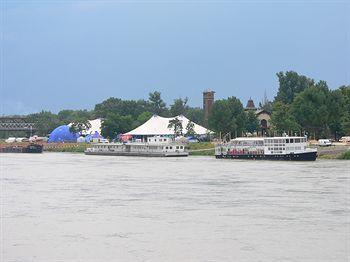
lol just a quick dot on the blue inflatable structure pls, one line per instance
(62, 134)
(90, 137)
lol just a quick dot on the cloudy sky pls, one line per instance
(60, 54)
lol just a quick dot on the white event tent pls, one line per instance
(158, 125)
(95, 126)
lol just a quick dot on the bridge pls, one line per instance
(16, 123)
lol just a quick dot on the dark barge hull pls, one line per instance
(307, 156)
(22, 149)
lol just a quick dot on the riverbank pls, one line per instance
(199, 149)
(66, 147)
(334, 152)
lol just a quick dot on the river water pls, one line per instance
(72, 207)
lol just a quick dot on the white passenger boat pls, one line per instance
(154, 147)
(268, 148)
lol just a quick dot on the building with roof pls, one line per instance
(264, 118)
(262, 115)
(250, 105)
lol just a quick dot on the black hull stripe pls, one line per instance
(308, 156)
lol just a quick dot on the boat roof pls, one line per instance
(283, 137)
(140, 144)
(262, 138)
(249, 138)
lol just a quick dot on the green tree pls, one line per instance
(345, 116)
(266, 104)
(176, 125)
(290, 84)
(282, 120)
(79, 125)
(190, 129)
(121, 107)
(179, 107)
(142, 118)
(227, 115)
(45, 122)
(345, 125)
(158, 106)
(336, 112)
(310, 109)
(196, 115)
(252, 123)
(68, 116)
(115, 124)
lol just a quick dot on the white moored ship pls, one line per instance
(154, 147)
(268, 148)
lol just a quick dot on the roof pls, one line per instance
(250, 104)
(248, 138)
(261, 111)
(262, 138)
(158, 125)
(95, 126)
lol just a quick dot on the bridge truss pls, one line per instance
(16, 123)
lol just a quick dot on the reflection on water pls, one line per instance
(71, 207)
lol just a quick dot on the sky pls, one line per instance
(60, 54)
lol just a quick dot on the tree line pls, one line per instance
(300, 106)
(119, 116)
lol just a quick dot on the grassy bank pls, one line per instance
(74, 148)
(201, 149)
(209, 152)
(345, 155)
(333, 152)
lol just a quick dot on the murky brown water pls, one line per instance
(71, 207)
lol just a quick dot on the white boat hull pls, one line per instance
(142, 154)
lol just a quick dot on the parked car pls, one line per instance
(345, 139)
(324, 142)
(10, 140)
(22, 139)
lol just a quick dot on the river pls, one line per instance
(72, 207)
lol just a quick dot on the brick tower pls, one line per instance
(208, 101)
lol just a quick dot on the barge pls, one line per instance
(267, 148)
(31, 148)
(154, 147)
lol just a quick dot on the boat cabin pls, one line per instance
(284, 145)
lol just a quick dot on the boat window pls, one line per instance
(177, 147)
(297, 140)
(287, 141)
(166, 147)
(171, 147)
(292, 140)
(181, 147)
